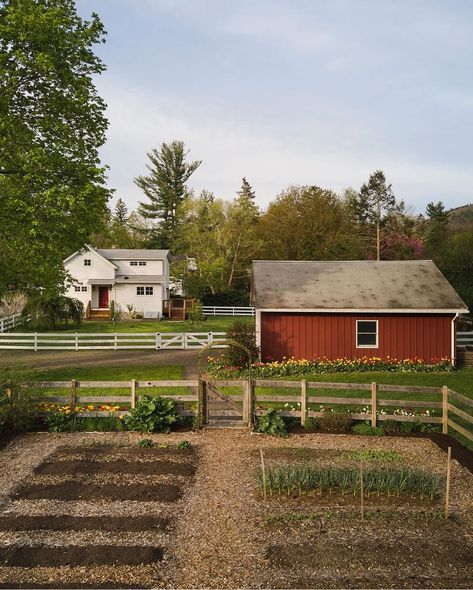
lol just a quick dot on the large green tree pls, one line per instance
(374, 207)
(308, 223)
(52, 123)
(165, 189)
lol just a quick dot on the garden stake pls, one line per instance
(264, 474)
(447, 490)
(361, 492)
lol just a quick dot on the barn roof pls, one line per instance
(400, 285)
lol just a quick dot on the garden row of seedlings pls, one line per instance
(94, 517)
(293, 480)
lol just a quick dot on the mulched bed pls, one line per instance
(79, 556)
(71, 523)
(107, 452)
(76, 467)
(72, 490)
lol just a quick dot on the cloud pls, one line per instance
(231, 150)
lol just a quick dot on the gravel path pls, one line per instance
(219, 538)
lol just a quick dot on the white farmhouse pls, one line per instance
(127, 277)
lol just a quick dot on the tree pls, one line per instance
(373, 205)
(308, 223)
(437, 229)
(121, 213)
(52, 123)
(165, 188)
(242, 241)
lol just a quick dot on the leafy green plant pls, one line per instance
(335, 421)
(241, 349)
(311, 424)
(184, 445)
(368, 430)
(58, 422)
(272, 424)
(369, 455)
(196, 315)
(152, 414)
(392, 427)
(146, 443)
(17, 410)
(46, 310)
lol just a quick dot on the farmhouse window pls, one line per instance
(76, 288)
(84, 289)
(87, 262)
(367, 334)
(144, 290)
(138, 263)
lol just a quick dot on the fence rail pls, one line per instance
(222, 310)
(455, 409)
(11, 321)
(111, 341)
(464, 338)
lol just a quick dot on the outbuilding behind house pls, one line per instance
(313, 309)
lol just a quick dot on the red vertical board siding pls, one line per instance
(312, 336)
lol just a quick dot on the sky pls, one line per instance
(287, 92)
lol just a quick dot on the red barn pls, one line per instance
(310, 310)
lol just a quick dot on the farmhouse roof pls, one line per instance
(391, 286)
(132, 254)
(139, 279)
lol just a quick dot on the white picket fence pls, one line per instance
(11, 321)
(464, 338)
(234, 311)
(111, 341)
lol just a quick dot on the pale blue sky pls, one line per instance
(293, 92)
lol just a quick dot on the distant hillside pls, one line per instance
(461, 218)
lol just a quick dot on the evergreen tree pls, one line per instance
(437, 229)
(121, 213)
(165, 189)
(374, 204)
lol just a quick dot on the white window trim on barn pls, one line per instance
(358, 333)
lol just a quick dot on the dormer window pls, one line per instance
(87, 262)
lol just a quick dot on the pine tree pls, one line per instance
(121, 213)
(437, 229)
(165, 188)
(374, 203)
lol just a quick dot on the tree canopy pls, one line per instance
(52, 123)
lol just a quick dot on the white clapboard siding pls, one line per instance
(234, 311)
(111, 341)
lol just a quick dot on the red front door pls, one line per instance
(103, 297)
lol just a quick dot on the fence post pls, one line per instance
(374, 391)
(115, 341)
(76, 341)
(251, 398)
(303, 401)
(444, 409)
(158, 340)
(1, 326)
(205, 405)
(245, 393)
(36, 341)
(73, 395)
(210, 339)
(184, 341)
(133, 394)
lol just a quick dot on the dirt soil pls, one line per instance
(75, 467)
(72, 523)
(221, 533)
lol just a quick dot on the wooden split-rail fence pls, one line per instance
(450, 409)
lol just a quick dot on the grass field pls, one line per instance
(211, 324)
(123, 373)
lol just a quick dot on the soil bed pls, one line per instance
(79, 556)
(71, 490)
(74, 467)
(71, 523)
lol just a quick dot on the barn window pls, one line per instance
(87, 262)
(367, 334)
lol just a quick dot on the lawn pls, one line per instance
(121, 373)
(211, 324)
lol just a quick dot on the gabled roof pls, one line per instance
(93, 251)
(132, 254)
(390, 286)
